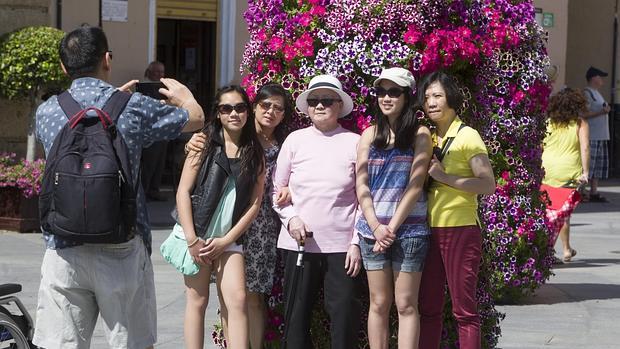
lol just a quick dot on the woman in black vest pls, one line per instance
(219, 196)
(273, 110)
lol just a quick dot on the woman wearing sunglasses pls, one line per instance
(219, 195)
(317, 164)
(273, 109)
(461, 173)
(392, 163)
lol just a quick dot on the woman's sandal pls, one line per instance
(569, 257)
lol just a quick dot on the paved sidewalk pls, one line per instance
(578, 308)
(20, 261)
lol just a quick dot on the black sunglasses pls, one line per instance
(326, 102)
(227, 108)
(393, 92)
(266, 105)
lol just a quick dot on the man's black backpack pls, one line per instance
(87, 192)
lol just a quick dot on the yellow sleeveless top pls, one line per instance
(561, 157)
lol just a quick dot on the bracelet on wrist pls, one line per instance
(377, 227)
(193, 242)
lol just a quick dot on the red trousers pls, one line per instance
(454, 256)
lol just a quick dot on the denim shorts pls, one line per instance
(406, 254)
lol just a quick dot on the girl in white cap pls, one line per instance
(392, 162)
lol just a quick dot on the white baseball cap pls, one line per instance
(328, 82)
(400, 76)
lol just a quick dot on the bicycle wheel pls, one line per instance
(11, 336)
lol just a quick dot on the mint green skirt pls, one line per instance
(174, 250)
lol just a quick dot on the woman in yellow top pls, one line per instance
(566, 154)
(455, 251)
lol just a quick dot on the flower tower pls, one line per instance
(496, 50)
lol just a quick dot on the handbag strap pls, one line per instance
(441, 152)
(446, 146)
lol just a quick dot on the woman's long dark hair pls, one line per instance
(405, 126)
(250, 149)
(270, 90)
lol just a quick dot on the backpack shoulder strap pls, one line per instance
(68, 105)
(116, 104)
(590, 93)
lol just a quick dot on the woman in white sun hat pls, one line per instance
(392, 162)
(317, 164)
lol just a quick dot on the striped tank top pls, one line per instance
(388, 177)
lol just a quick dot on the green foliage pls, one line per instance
(30, 63)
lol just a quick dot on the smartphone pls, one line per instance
(151, 89)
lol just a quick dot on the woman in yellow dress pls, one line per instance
(566, 153)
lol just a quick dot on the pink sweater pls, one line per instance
(319, 168)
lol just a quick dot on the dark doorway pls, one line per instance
(188, 50)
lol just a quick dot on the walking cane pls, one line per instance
(292, 292)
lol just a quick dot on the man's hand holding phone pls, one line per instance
(151, 89)
(174, 93)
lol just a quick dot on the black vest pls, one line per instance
(209, 188)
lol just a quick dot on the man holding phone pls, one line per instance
(598, 120)
(80, 281)
(154, 155)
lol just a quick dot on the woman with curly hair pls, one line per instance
(566, 153)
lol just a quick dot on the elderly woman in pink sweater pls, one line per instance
(317, 164)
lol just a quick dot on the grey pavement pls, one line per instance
(20, 261)
(579, 306)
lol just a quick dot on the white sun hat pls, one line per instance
(400, 76)
(327, 82)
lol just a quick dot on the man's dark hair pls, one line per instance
(82, 50)
(453, 93)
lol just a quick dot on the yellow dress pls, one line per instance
(561, 157)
